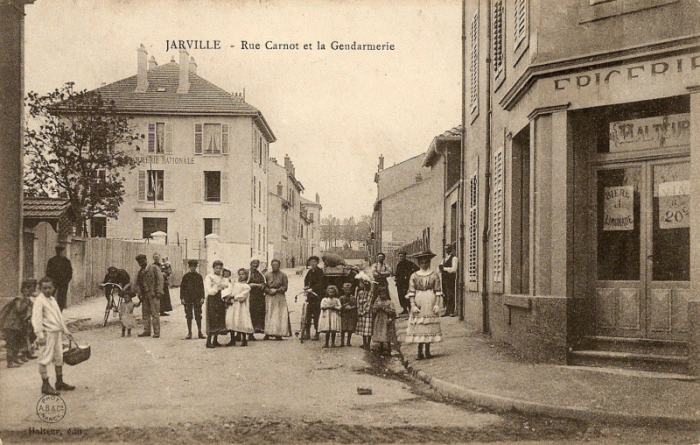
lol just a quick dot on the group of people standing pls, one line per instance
(253, 303)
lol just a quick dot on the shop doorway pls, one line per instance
(642, 248)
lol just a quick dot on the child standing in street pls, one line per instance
(126, 312)
(238, 319)
(329, 321)
(364, 309)
(192, 297)
(13, 321)
(348, 314)
(384, 330)
(49, 328)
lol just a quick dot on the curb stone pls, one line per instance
(511, 404)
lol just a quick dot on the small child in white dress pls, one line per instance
(330, 320)
(237, 312)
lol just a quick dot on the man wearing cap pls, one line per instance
(404, 270)
(448, 270)
(60, 270)
(381, 272)
(315, 281)
(192, 297)
(149, 287)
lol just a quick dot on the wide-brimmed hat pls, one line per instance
(425, 254)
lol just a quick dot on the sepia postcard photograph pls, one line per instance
(350, 222)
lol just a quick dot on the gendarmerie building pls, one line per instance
(202, 167)
(581, 143)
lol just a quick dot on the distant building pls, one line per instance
(313, 215)
(287, 219)
(203, 165)
(408, 210)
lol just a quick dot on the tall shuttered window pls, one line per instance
(211, 139)
(473, 228)
(497, 222)
(498, 41)
(160, 136)
(474, 66)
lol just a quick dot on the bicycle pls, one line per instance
(111, 304)
(303, 325)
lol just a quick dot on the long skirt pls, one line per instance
(277, 316)
(348, 320)
(257, 310)
(216, 315)
(165, 304)
(424, 326)
(238, 317)
(364, 324)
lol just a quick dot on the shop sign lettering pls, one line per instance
(650, 133)
(618, 208)
(674, 205)
(628, 73)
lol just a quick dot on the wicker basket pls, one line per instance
(76, 354)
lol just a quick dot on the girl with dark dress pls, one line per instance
(348, 314)
(214, 283)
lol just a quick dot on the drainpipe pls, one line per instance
(461, 291)
(487, 181)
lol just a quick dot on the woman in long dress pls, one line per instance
(237, 312)
(425, 296)
(214, 283)
(276, 313)
(256, 280)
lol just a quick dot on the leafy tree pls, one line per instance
(74, 148)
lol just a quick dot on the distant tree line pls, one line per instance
(337, 233)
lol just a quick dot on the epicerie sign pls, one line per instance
(650, 133)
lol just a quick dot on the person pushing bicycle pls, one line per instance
(120, 277)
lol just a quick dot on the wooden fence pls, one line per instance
(91, 257)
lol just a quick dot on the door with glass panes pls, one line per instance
(642, 249)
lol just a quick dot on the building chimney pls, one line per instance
(193, 66)
(142, 70)
(381, 162)
(287, 163)
(152, 63)
(318, 199)
(184, 84)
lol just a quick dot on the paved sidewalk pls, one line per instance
(471, 367)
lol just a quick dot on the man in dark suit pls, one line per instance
(60, 270)
(404, 270)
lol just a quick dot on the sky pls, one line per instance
(333, 112)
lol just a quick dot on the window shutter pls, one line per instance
(474, 66)
(169, 138)
(198, 193)
(498, 209)
(473, 228)
(255, 192)
(520, 22)
(224, 139)
(142, 185)
(216, 226)
(224, 186)
(151, 138)
(198, 139)
(168, 185)
(498, 40)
